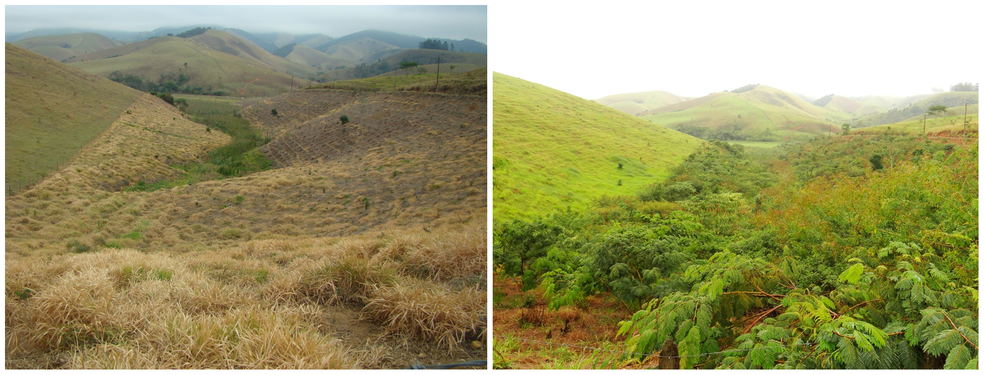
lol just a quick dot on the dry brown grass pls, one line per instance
(423, 309)
(261, 304)
(298, 273)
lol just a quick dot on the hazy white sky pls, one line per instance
(440, 21)
(693, 48)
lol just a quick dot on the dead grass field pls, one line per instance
(371, 256)
(347, 302)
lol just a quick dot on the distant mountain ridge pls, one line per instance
(268, 41)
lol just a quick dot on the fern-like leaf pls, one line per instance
(959, 357)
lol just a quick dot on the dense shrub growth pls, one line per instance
(818, 258)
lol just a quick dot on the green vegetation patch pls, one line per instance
(553, 150)
(863, 246)
(238, 158)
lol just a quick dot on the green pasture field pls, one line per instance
(47, 122)
(552, 150)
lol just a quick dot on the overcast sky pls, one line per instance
(438, 21)
(693, 48)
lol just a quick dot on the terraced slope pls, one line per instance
(52, 110)
(553, 150)
(431, 146)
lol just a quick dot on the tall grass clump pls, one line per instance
(426, 310)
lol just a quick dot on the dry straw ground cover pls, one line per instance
(370, 258)
(263, 304)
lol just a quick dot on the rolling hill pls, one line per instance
(853, 107)
(216, 62)
(884, 101)
(918, 105)
(636, 103)
(760, 114)
(365, 247)
(64, 47)
(312, 57)
(52, 110)
(387, 63)
(951, 122)
(553, 150)
(357, 50)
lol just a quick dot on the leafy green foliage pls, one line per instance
(518, 243)
(816, 262)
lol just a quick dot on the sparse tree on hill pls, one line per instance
(846, 127)
(407, 65)
(936, 110)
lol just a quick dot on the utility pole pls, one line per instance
(924, 123)
(965, 119)
(438, 84)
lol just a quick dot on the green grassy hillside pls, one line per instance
(63, 47)
(553, 150)
(208, 67)
(917, 106)
(761, 114)
(52, 110)
(638, 102)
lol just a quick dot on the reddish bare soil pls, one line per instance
(524, 317)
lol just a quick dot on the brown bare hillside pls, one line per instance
(373, 257)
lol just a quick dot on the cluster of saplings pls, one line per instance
(181, 104)
(865, 257)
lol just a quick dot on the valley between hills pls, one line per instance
(311, 228)
(746, 229)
